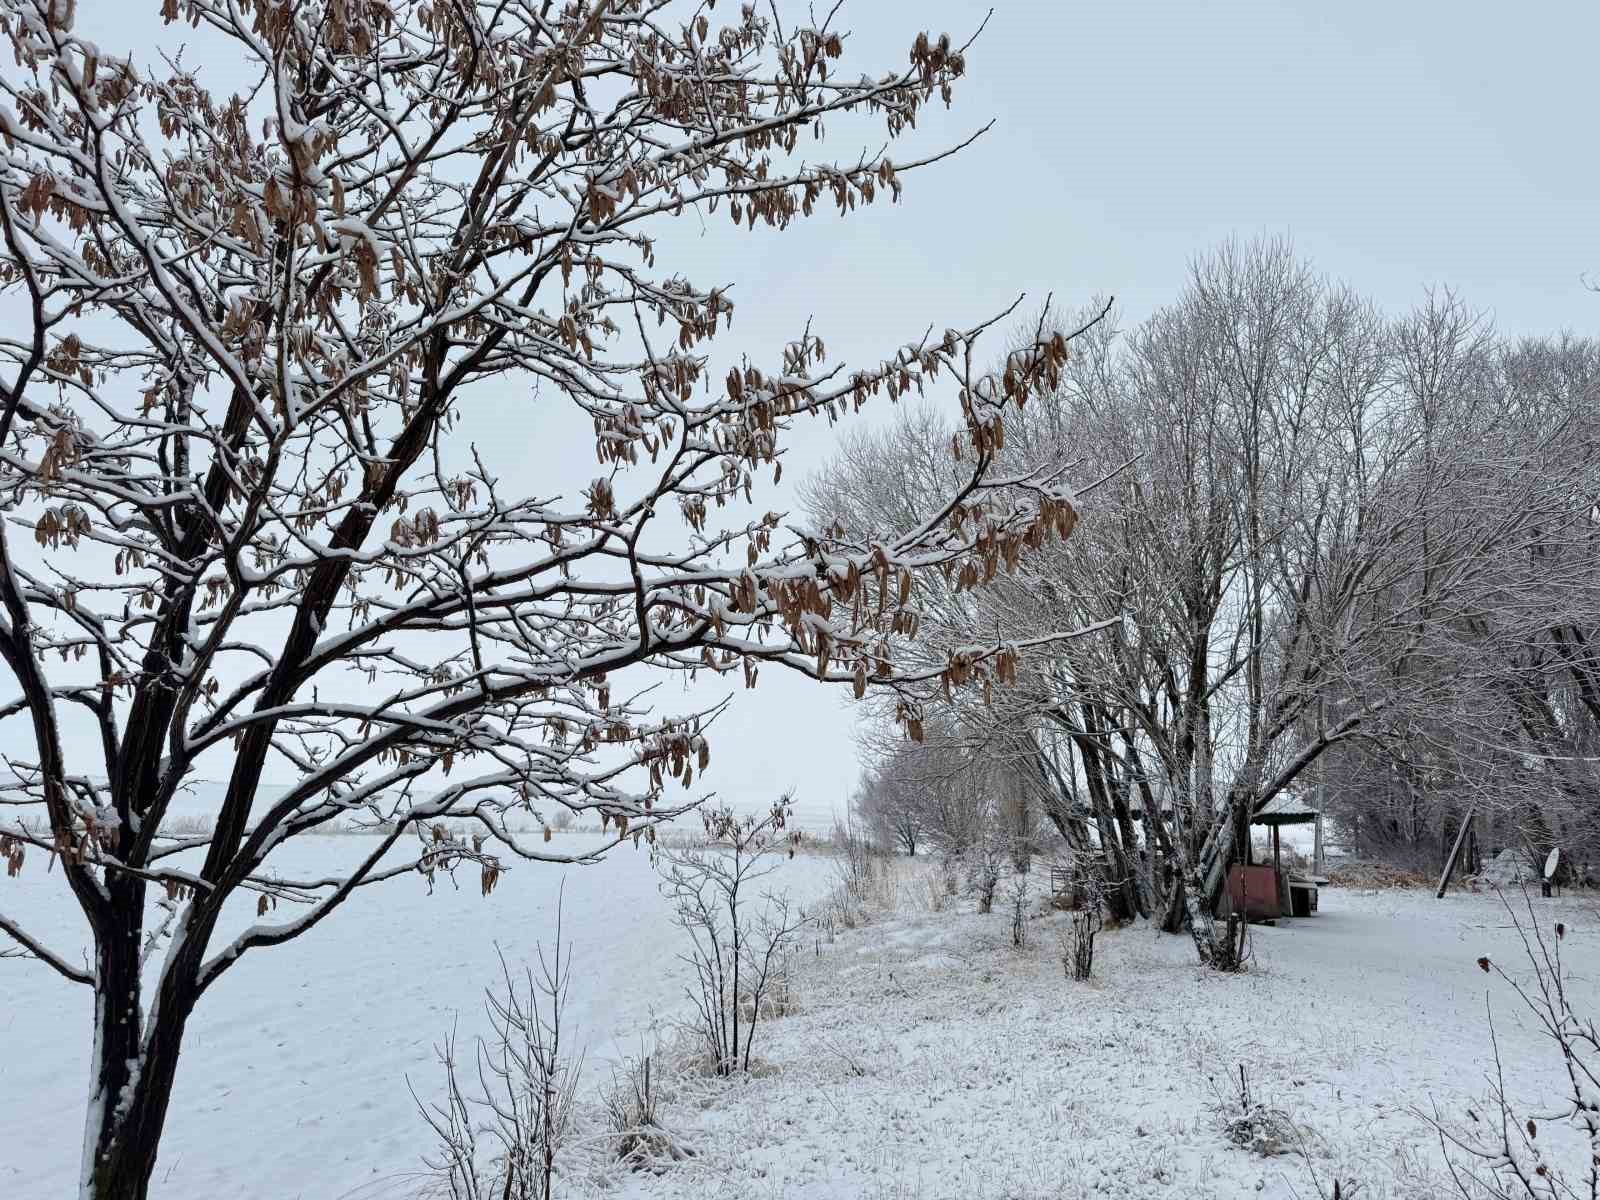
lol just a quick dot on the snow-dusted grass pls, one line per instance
(922, 1056)
(931, 1059)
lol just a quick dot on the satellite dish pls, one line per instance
(1551, 862)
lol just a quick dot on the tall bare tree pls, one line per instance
(1318, 530)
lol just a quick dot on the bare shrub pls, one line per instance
(985, 863)
(834, 912)
(188, 826)
(1356, 874)
(1253, 1125)
(1499, 1156)
(869, 879)
(780, 999)
(739, 940)
(499, 1139)
(856, 861)
(682, 839)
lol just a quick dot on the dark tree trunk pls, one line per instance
(129, 1135)
(1174, 910)
(1121, 893)
(136, 1053)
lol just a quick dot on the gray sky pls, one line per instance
(1399, 144)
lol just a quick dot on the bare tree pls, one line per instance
(249, 322)
(1512, 743)
(891, 806)
(1316, 530)
(739, 938)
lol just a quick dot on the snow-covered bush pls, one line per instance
(633, 1104)
(1253, 1125)
(1077, 943)
(860, 865)
(986, 862)
(1018, 894)
(868, 879)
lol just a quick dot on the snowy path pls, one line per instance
(931, 1060)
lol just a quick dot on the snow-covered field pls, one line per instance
(928, 1058)
(293, 1079)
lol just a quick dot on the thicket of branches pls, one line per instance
(239, 528)
(497, 1138)
(1333, 551)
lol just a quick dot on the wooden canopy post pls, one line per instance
(1455, 855)
(1279, 883)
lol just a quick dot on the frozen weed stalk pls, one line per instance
(1499, 1154)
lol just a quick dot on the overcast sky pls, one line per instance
(1398, 144)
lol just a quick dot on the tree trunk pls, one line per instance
(126, 1137)
(1189, 891)
(1121, 895)
(1175, 905)
(135, 1057)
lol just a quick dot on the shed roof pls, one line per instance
(1285, 809)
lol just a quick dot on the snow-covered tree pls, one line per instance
(239, 527)
(1319, 532)
(891, 808)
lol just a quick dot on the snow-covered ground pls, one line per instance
(932, 1060)
(927, 1059)
(293, 1079)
